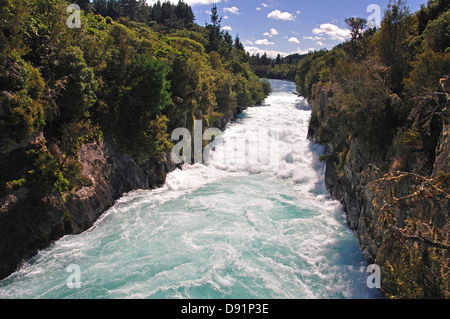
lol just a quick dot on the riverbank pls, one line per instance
(400, 218)
(29, 225)
(229, 229)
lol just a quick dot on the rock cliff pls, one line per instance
(27, 226)
(401, 218)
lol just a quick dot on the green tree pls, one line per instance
(214, 31)
(278, 59)
(358, 28)
(14, 15)
(21, 102)
(144, 96)
(390, 42)
(84, 4)
(427, 69)
(75, 85)
(437, 33)
(238, 44)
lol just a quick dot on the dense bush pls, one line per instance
(382, 99)
(130, 74)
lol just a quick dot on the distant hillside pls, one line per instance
(279, 68)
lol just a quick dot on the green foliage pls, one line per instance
(196, 34)
(214, 31)
(21, 106)
(280, 68)
(130, 74)
(304, 78)
(14, 15)
(144, 95)
(437, 33)
(324, 76)
(365, 104)
(160, 139)
(76, 85)
(382, 98)
(75, 134)
(391, 42)
(430, 12)
(37, 38)
(426, 71)
(186, 45)
(46, 176)
(267, 87)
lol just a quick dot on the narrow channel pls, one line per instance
(228, 229)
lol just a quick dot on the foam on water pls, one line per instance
(230, 229)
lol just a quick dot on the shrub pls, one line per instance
(437, 33)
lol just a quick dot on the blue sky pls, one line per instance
(288, 26)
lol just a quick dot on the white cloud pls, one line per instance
(316, 38)
(264, 42)
(320, 43)
(190, 2)
(273, 53)
(332, 31)
(232, 10)
(270, 53)
(272, 33)
(264, 5)
(300, 51)
(227, 28)
(278, 15)
(294, 40)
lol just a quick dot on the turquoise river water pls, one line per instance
(261, 227)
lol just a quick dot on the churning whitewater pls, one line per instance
(228, 229)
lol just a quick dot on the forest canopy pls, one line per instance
(130, 74)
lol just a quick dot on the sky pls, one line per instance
(290, 26)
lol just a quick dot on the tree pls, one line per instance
(215, 34)
(238, 44)
(184, 12)
(358, 30)
(437, 33)
(22, 111)
(226, 45)
(278, 59)
(265, 60)
(144, 97)
(75, 84)
(427, 69)
(357, 27)
(84, 4)
(171, 16)
(390, 42)
(13, 17)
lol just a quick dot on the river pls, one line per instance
(233, 228)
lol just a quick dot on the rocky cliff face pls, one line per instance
(401, 218)
(28, 226)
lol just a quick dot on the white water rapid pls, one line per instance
(229, 229)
